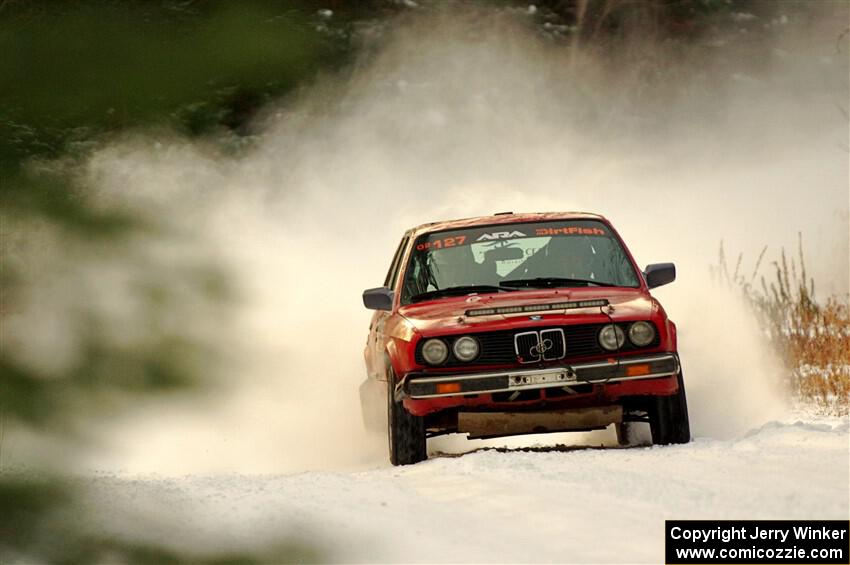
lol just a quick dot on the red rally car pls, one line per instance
(520, 323)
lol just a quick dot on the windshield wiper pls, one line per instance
(458, 290)
(552, 282)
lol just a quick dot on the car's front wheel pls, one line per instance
(633, 434)
(406, 432)
(668, 418)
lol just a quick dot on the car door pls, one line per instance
(376, 342)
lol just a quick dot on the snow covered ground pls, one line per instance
(567, 504)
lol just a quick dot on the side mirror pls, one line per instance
(380, 298)
(659, 274)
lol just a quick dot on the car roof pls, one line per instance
(501, 218)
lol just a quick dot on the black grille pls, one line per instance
(553, 344)
(497, 348)
(533, 346)
(526, 347)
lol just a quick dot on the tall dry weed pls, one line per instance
(812, 337)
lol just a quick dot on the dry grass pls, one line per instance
(811, 336)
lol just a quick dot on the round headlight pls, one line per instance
(466, 348)
(611, 337)
(435, 351)
(641, 333)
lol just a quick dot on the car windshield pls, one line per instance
(511, 256)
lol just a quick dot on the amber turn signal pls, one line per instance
(446, 388)
(636, 370)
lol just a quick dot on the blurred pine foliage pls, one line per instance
(73, 74)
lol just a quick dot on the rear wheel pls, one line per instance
(406, 432)
(668, 418)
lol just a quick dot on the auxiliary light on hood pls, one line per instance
(537, 307)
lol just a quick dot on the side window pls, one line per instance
(392, 274)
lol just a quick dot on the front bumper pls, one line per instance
(426, 385)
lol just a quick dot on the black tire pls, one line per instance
(405, 432)
(668, 418)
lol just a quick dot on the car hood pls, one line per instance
(449, 313)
